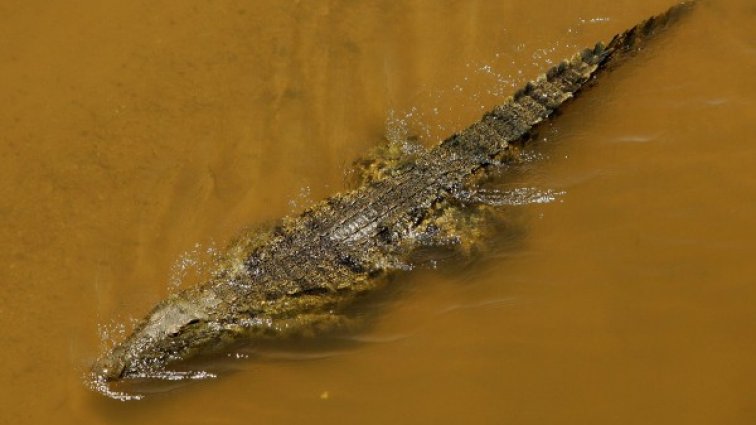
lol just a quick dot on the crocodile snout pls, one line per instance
(110, 367)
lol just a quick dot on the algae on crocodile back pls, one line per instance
(299, 277)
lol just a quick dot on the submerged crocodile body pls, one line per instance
(300, 276)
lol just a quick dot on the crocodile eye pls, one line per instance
(177, 330)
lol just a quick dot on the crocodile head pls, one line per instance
(175, 329)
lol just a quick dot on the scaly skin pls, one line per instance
(298, 278)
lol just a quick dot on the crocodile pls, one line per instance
(299, 277)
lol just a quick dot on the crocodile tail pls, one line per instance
(625, 44)
(538, 99)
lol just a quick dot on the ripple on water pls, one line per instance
(635, 138)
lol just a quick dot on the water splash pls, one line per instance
(194, 262)
(174, 375)
(301, 200)
(98, 384)
(403, 129)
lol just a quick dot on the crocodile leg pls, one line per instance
(511, 197)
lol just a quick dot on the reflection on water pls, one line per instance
(134, 131)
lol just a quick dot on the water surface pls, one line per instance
(136, 136)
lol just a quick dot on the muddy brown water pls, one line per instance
(135, 134)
